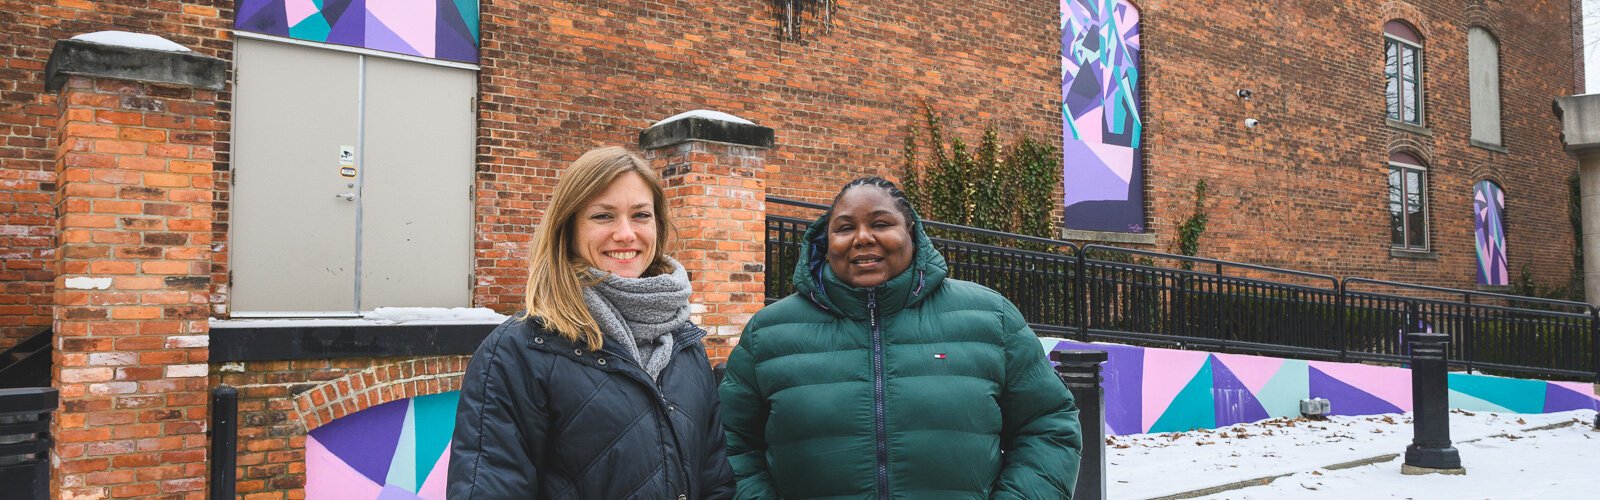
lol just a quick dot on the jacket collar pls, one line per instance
(815, 280)
(543, 339)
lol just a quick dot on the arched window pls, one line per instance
(1488, 207)
(1408, 202)
(1483, 71)
(1402, 71)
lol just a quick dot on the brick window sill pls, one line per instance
(1415, 129)
(1492, 147)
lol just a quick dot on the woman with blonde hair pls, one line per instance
(601, 389)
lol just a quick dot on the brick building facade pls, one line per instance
(1304, 189)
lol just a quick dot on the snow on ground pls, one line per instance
(381, 316)
(1555, 463)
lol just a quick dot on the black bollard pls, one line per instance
(224, 441)
(1430, 450)
(1080, 371)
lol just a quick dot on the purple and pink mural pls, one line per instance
(394, 451)
(1166, 390)
(441, 29)
(1101, 161)
(1488, 203)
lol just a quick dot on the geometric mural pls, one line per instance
(441, 29)
(1167, 390)
(1488, 206)
(1101, 161)
(396, 450)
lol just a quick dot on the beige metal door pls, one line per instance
(416, 244)
(352, 182)
(293, 247)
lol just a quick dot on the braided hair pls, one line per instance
(901, 202)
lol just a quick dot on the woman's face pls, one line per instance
(616, 230)
(869, 240)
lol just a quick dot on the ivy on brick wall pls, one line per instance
(1004, 188)
(1191, 229)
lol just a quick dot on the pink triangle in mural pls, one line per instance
(380, 37)
(409, 20)
(1252, 371)
(327, 475)
(433, 488)
(1166, 372)
(1386, 383)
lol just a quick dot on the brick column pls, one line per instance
(713, 168)
(133, 199)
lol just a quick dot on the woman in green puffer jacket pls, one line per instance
(882, 378)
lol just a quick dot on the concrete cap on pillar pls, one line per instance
(705, 125)
(131, 56)
(1580, 121)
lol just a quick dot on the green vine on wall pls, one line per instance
(1009, 188)
(1189, 232)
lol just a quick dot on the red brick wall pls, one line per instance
(27, 121)
(1303, 190)
(134, 194)
(1306, 189)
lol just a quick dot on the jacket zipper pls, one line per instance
(879, 434)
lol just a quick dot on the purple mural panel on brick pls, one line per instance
(1123, 376)
(1102, 169)
(439, 29)
(1235, 403)
(1488, 203)
(1348, 399)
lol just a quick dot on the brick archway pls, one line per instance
(377, 385)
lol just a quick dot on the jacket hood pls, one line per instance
(815, 280)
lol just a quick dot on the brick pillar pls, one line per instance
(133, 204)
(713, 168)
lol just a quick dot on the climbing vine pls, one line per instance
(1192, 228)
(1004, 188)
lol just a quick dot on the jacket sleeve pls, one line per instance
(498, 432)
(716, 477)
(744, 415)
(1040, 433)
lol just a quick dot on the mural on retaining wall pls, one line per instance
(442, 29)
(1488, 203)
(1166, 390)
(1101, 161)
(396, 450)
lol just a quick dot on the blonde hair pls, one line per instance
(556, 274)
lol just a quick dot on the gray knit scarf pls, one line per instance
(641, 314)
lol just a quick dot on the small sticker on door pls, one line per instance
(347, 161)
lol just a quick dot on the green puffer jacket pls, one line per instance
(924, 387)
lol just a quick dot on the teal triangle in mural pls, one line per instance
(469, 13)
(1283, 392)
(435, 416)
(314, 28)
(1193, 408)
(401, 471)
(1465, 402)
(1521, 396)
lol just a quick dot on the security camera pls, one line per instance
(1251, 122)
(1243, 94)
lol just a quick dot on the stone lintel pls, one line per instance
(98, 60)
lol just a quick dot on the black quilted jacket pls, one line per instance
(542, 418)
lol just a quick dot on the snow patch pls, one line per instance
(380, 317)
(86, 283)
(132, 40)
(707, 114)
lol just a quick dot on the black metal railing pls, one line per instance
(1127, 295)
(25, 442)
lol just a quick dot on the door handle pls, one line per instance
(346, 196)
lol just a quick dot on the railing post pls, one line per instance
(1430, 450)
(1342, 309)
(1080, 371)
(224, 441)
(25, 442)
(1594, 346)
(1082, 298)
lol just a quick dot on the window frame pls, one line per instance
(1393, 42)
(1422, 199)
